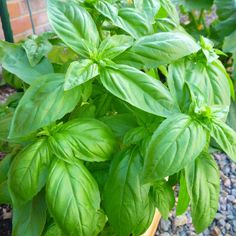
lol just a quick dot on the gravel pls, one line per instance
(225, 219)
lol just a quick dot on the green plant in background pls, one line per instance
(119, 99)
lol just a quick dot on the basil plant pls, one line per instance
(112, 110)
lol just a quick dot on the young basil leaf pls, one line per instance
(138, 89)
(85, 139)
(5, 197)
(225, 137)
(43, 103)
(126, 200)
(175, 143)
(183, 197)
(164, 198)
(4, 167)
(158, 49)
(30, 219)
(73, 25)
(113, 46)
(14, 59)
(36, 48)
(148, 7)
(128, 19)
(28, 172)
(203, 184)
(5, 123)
(73, 198)
(80, 72)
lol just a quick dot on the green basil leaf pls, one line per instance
(203, 184)
(5, 197)
(126, 200)
(225, 137)
(36, 48)
(80, 72)
(28, 172)
(4, 167)
(128, 19)
(183, 197)
(231, 119)
(14, 59)
(134, 136)
(225, 10)
(73, 25)
(113, 46)
(209, 80)
(158, 49)
(120, 123)
(164, 197)
(138, 89)
(175, 143)
(148, 7)
(73, 198)
(53, 231)
(43, 103)
(5, 123)
(30, 219)
(85, 139)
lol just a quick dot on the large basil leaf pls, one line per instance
(29, 171)
(164, 197)
(113, 46)
(130, 20)
(149, 7)
(175, 143)
(207, 80)
(203, 184)
(138, 89)
(30, 219)
(225, 137)
(85, 139)
(73, 198)
(43, 103)
(126, 200)
(80, 72)
(74, 26)
(14, 59)
(158, 49)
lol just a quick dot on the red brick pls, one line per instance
(21, 24)
(14, 9)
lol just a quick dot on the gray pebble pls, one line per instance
(165, 224)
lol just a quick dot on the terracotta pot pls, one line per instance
(153, 227)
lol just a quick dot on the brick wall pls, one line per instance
(20, 20)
